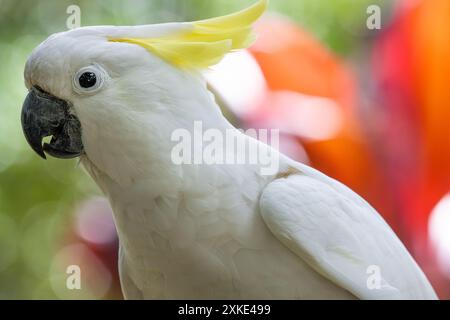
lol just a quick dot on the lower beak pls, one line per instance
(45, 115)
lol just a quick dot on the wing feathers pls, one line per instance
(342, 238)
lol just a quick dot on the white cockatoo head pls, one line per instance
(109, 92)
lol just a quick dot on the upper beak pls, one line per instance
(45, 115)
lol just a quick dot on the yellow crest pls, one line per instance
(207, 41)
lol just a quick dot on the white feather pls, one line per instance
(341, 236)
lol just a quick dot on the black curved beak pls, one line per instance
(45, 115)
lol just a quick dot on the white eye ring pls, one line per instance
(89, 79)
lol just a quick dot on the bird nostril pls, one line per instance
(40, 90)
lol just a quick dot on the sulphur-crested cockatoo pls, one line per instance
(116, 96)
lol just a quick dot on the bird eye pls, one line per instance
(89, 79)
